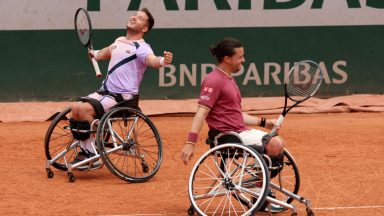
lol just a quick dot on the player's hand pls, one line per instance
(188, 152)
(168, 57)
(91, 54)
(271, 123)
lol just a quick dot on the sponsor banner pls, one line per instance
(53, 65)
(113, 14)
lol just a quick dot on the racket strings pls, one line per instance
(83, 27)
(303, 81)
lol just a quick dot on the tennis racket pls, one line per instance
(83, 29)
(301, 83)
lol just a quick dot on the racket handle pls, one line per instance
(96, 66)
(278, 123)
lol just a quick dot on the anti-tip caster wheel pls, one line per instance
(50, 174)
(71, 177)
(310, 212)
(191, 211)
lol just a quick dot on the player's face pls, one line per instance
(237, 59)
(138, 22)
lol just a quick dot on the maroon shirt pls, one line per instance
(221, 95)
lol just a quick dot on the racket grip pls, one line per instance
(96, 67)
(278, 123)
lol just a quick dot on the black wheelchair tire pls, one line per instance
(288, 158)
(48, 138)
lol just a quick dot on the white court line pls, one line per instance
(321, 208)
(135, 215)
(348, 207)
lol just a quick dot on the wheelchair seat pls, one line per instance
(131, 103)
(215, 137)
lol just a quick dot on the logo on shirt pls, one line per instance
(204, 97)
(207, 89)
(128, 51)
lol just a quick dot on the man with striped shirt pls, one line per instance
(128, 57)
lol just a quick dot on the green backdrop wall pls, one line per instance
(52, 65)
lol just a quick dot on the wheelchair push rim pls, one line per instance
(130, 145)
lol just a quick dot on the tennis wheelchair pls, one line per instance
(236, 179)
(126, 141)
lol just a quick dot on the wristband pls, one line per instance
(162, 63)
(262, 122)
(192, 137)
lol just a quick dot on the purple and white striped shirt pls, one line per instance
(126, 79)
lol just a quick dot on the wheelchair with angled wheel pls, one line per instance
(236, 179)
(125, 141)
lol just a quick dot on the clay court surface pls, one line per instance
(340, 157)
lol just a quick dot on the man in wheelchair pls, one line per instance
(129, 57)
(220, 105)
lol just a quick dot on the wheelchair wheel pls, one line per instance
(289, 178)
(129, 144)
(58, 138)
(229, 179)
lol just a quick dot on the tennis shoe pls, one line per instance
(83, 155)
(272, 208)
(275, 208)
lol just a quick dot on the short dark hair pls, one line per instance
(151, 20)
(225, 47)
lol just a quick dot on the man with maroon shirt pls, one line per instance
(220, 104)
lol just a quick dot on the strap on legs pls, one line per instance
(80, 129)
(97, 106)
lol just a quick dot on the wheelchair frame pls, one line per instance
(126, 141)
(243, 187)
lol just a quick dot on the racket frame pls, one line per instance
(280, 119)
(88, 44)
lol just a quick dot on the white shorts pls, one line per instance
(252, 137)
(107, 101)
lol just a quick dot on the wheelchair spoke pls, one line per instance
(238, 199)
(113, 132)
(219, 204)
(243, 198)
(225, 172)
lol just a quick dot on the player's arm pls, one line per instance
(197, 124)
(251, 120)
(103, 54)
(256, 121)
(198, 120)
(159, 61)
